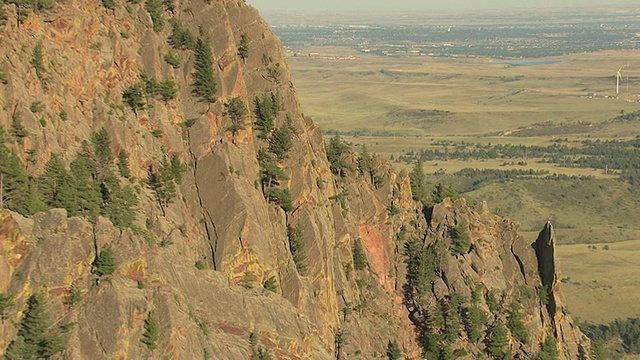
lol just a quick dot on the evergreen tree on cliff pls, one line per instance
(204, 83)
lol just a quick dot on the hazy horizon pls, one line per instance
(401, 5)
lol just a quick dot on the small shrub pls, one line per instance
(280, 197)
(3, 77)
(189, 122)
(109, 4)
(200, 265)
(271, 284)
(36, 106)
(134, 97)
(63, 115)
(170, 59)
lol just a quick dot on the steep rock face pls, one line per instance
(200, 262)
(219, 217)
(565, 329)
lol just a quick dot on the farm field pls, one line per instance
(401, 105)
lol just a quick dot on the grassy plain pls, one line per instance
(401, 104)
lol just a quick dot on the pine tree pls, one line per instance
(266, 111)
(443, 191)
(17, 129)
(548, 350)
(154, 8)
(281, 197)
(134, 97)
(6, 301)
(204, 83)
(20, 193)
(243, 47)
(161, 181)
(366, 164)
(105, 264)
(461, 240)
(32, 340)
(101, 145)
(515, 323)
(474, 318)
(359, 258)
(176, 168)
(236, 111)
(270, 172)
(419, 183)
(167, 90)
(123, 164)
(56, 185)
(151, 331)
(420, 272)
(336, 149)
(280, 142)
(89, 198)
(120, 208)
(37, 60)
(393, 350)
(497, 342)
(181, 38)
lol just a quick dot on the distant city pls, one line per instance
(500, 36)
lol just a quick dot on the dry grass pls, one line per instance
(603, 284)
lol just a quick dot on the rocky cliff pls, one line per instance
(166, 197)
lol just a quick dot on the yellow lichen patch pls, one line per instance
(246, 262)
(135, 270)
(120, 355)
(125, 342)
(307, 345)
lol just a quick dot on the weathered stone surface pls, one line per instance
(219, 218)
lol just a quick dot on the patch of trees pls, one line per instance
(181, 38)
(88, 188)
(614, 339)
(137, 95)
(596, 154)
(280, 142)
(162, 179)
(267, 109)
(26, 7)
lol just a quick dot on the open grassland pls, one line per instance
(601, 285)
(401, 105)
